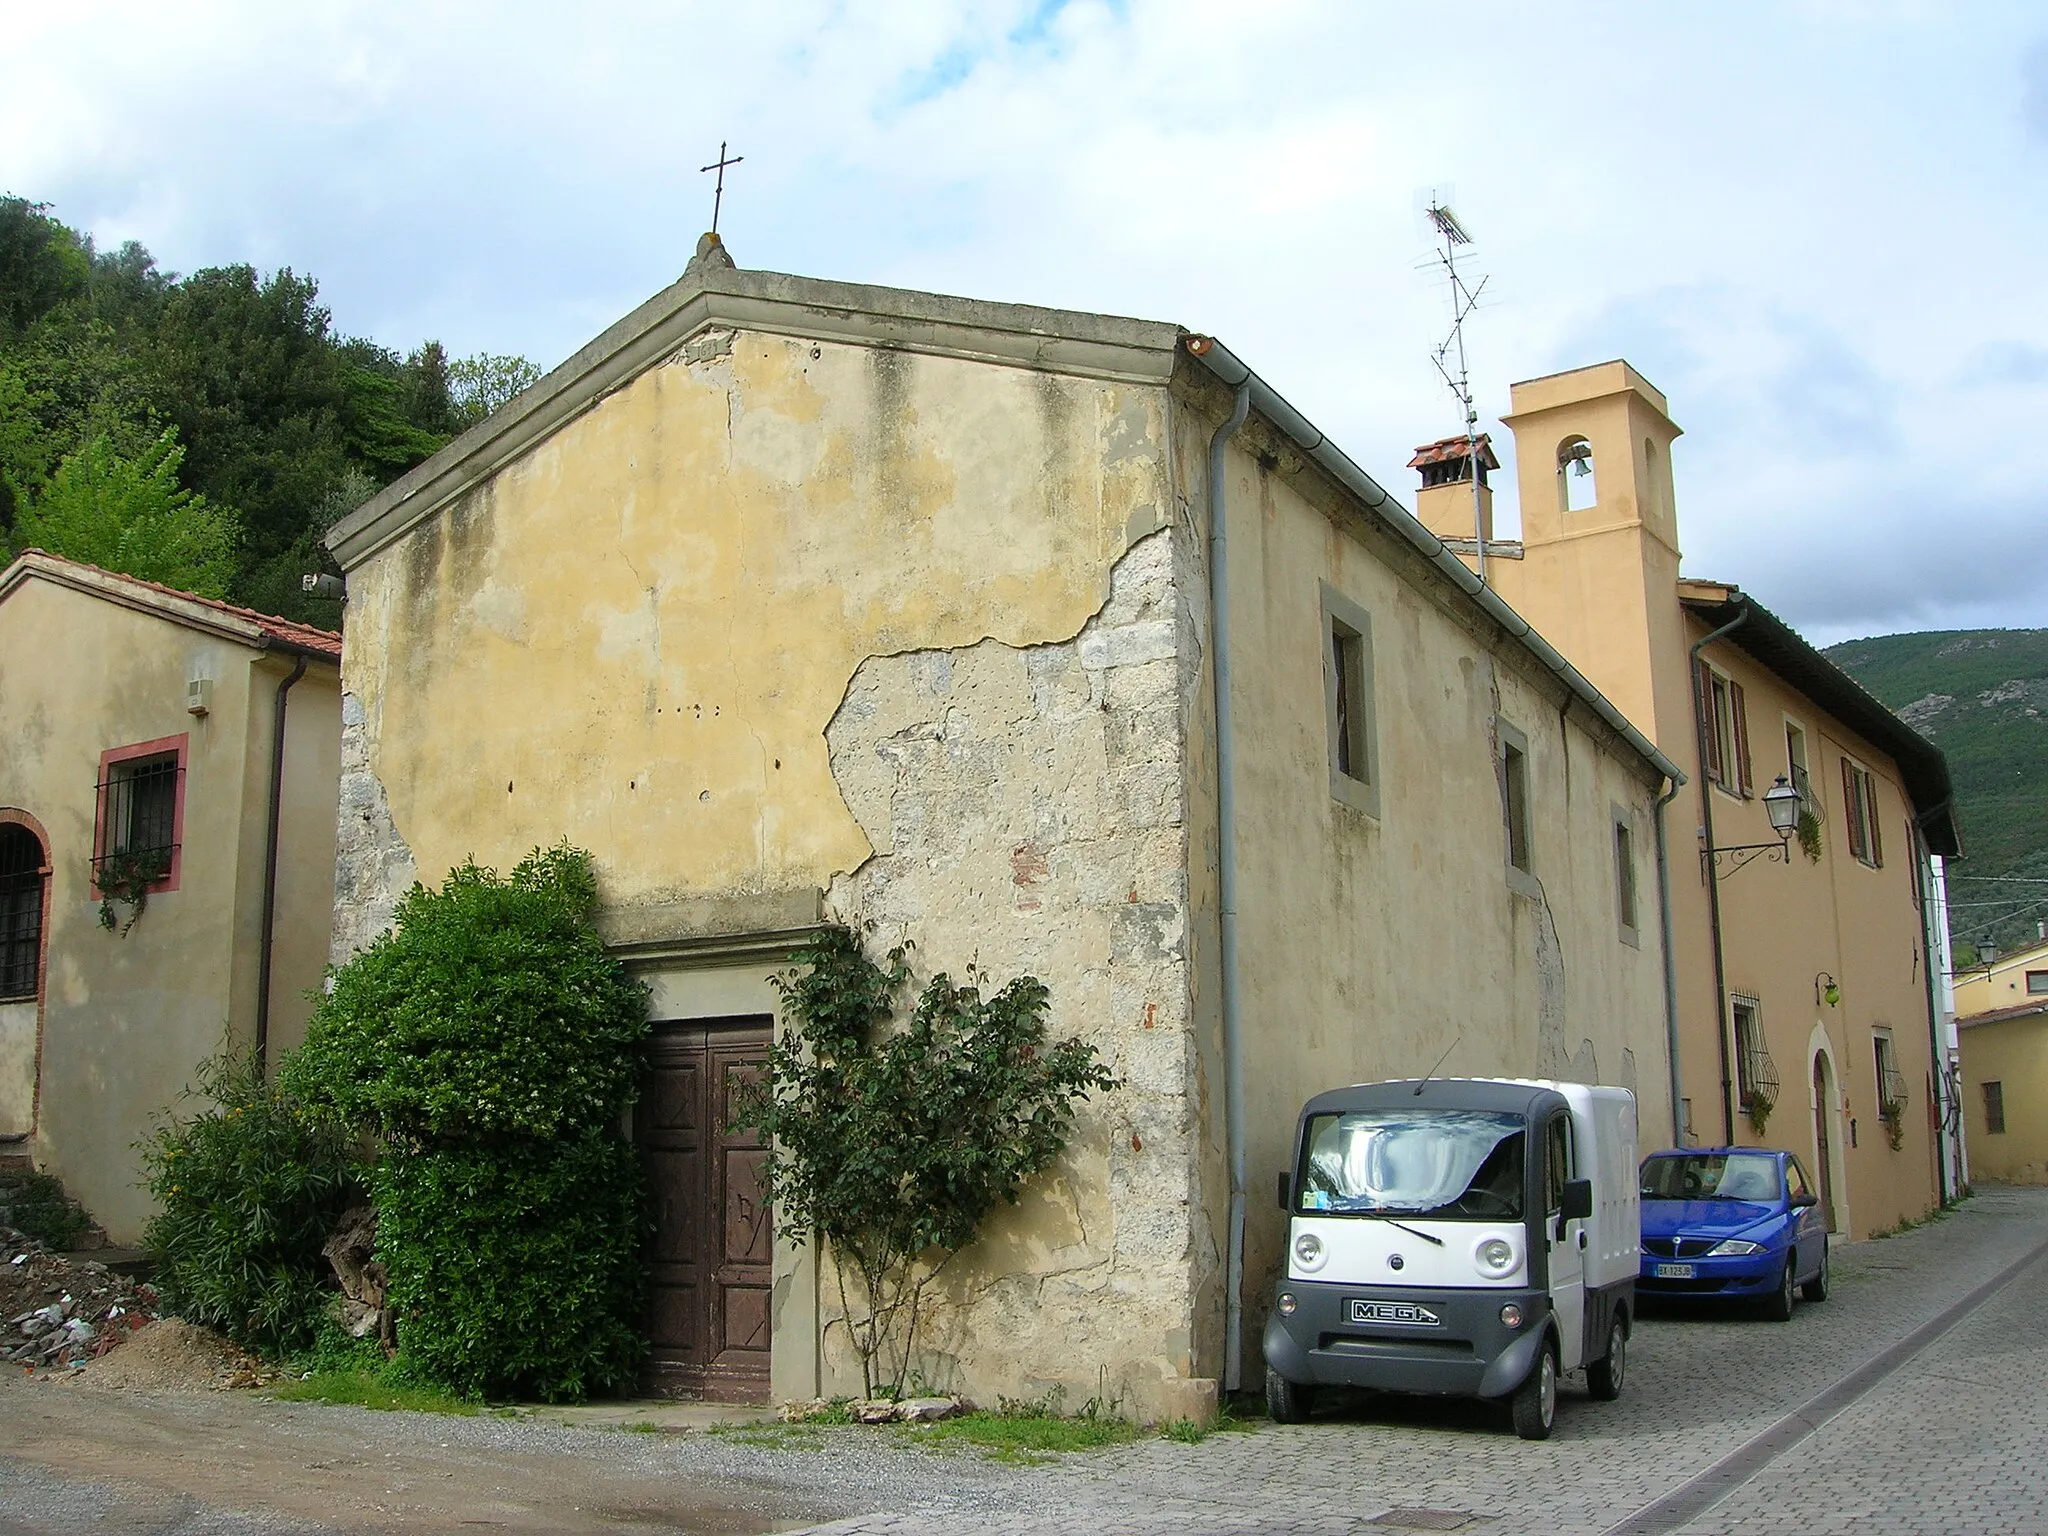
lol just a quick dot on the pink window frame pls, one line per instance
(111, 759)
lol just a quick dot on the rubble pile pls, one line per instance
(877, 1410)
(61, 1312)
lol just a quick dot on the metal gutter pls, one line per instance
(1309, 438)
(1670, 962)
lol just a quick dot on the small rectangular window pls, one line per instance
(1994, 1108)
(1515, 802)
(1724, 729)
(1795, 763)
(1859, 808)
(1891, 1085)
(140, 814)
(1625, 877)
(1348, 702)
(2037, 983)
(21, 911)
(1756, 1075)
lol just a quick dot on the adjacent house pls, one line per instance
(167, 786)
(1806, 1001)
(1058, 643)
(2001, 1010)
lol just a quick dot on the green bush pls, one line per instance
(492, 1046)
(534, 1288)
(247, 1191)
(39, 1208)
(491, 1008)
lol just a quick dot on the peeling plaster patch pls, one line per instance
(373, 867)
(1027, 813)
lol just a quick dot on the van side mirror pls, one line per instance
(1286, 1191)
(1578, 1199)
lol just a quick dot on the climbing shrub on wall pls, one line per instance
(894, 1142)
(491, 1047)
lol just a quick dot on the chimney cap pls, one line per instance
(1446, 450)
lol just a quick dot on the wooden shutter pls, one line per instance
(1710, 736)
(1876, 836)
(1852, 809)
(1741, 718)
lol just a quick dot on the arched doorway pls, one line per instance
(1823, 1139)
(24, 914)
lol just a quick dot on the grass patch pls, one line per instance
(640, 1427)
(371, 1388)
(1029, 1433)
(771, 1437)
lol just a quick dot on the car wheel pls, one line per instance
(1779, 1308)
(1816, 1289)
(1535, 1400)
(1604, 1375)
(1287, 1402)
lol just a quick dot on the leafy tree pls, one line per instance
(480, 384)
(895, 1144)
(43, 263)
(130, 515)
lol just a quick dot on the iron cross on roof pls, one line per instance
(718, 193)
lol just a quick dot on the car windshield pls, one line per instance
(1458, 1163)
(1711, 1176)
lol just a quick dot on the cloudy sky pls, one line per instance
(1818, 226)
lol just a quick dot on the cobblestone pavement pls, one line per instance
(1949, 1443)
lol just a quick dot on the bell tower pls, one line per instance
(1599, 569)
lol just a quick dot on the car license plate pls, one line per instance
(1407, 1314)
(1674, 1272)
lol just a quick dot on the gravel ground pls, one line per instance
(1950, 1443)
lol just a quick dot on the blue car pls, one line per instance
(1729, 1223)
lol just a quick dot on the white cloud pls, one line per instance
(1816, 226)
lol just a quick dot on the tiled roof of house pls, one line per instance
(271, 630)
(1446, 449)
(2003, 1015)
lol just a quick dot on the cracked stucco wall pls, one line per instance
(1026, 810)
(784, 616)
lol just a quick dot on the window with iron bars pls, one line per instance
(1891, 1083)
(21, 912)
(138, 802)
(1756, 1075)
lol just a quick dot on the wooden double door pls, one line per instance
(713, 1244)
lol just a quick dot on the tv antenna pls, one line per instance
(1449, 356)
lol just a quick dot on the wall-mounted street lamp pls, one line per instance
(1781, 804)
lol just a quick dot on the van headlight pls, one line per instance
(1308, 1250)
(1733, 1248)
(1495, 1256)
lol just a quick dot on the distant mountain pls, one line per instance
(1981, 695)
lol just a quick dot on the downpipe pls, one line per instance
(275, 821)
(1657, 822)
(1701, 724)
(1226, 886)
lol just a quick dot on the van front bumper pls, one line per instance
(1467, 1352)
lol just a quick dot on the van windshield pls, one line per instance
(1457, 1163)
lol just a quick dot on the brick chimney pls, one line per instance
(1444, 504)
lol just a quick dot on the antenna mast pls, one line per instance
(1449, 356)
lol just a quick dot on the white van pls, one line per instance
(1458, 1236)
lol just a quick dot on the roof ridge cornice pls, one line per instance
(711, 296)
(128, 592)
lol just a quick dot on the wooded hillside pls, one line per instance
(202, 431)
(1981, 696)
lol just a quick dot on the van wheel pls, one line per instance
(1535, 1400)
(1816, 1289)
(1778, 1308)
(1603, 1376)
(1286, 1402)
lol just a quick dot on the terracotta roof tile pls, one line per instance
(1445, 449)
(303, 637)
